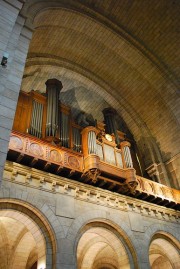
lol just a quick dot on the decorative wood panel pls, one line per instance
(34, 147)
(28, 146)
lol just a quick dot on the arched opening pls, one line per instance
(22, 242)
(102, 247)
(164, 252)
(26, 239)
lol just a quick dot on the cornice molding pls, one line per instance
(33, 178)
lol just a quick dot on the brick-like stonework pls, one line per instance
(69, 206)
(15, 41)
(127, 52)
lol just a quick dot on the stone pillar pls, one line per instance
(14, 41)
(173, 168)
(109, 118)
(158, 173)
(153, 162)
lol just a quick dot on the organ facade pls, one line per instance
(46, 136)
(89, 134)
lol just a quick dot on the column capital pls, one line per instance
(54, 82)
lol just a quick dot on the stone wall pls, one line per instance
(70, 206)
(15, 38)
(157, 142)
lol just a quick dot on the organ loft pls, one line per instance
(46, 136)
(89, 135)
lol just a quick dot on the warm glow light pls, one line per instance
(42, 263)
(41, 266)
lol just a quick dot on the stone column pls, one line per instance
(173, 168)
(14, 41)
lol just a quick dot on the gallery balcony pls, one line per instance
(99, 163)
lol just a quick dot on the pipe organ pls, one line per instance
(49, 120)
(46, 137)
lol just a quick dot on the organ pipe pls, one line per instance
(110, 121)
(76, 139)
(53, 88)
(92, 142)
(128, 157)
(126, 154)
(64, 130)
(36, 119)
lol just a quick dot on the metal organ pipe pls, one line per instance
(109, 118)
(38, 117)
(40, 122)
(53, 88)
(92, 142)
(36, 120)
(127, 156)
(64, 130)
(130, 158)
(76, 139)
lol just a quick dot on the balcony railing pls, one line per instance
(100, 163)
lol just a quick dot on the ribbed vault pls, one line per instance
(22, 243)
(88, 45)
(99, 248)
(164, 253)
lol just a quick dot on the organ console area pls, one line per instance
(46, 137)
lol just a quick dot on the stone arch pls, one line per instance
(162, 232)
(100, 245)
(100, 218)
(36, 228)
(164, 251)
(148, 135)
(155, 228)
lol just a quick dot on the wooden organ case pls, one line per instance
(93, 154)
(46, 137)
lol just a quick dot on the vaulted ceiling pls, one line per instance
(126, 52)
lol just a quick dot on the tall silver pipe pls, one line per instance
(53, 88)
(35, 118)
(38, 122)
(32, 120)
(110, 121)
(92, 143)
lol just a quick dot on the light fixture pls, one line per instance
(4, 59)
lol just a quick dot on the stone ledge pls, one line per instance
(33, 178)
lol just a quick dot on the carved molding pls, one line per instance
(89, 167)
(36, 148)
(92, 175)
(34, 178)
